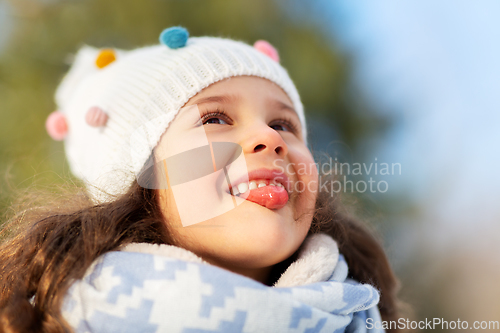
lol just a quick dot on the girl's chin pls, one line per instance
(249, 234)
(253, 254)
(253, 242)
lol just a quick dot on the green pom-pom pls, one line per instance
(174, 37)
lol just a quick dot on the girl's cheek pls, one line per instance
(303, 164)
(306, 175)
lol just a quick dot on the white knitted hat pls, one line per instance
(103, 101)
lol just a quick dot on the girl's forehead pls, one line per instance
(237, 89)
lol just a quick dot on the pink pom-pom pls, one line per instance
(56, 126)
(266, 48)
(96, 117)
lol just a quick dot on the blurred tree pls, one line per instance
(46, 32)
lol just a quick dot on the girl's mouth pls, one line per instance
(265, 192)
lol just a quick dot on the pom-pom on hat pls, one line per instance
(108, 94)
(174, 37)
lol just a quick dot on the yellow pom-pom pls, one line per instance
(105, 57)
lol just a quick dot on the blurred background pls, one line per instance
(405, 82)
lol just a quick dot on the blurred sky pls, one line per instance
(432, 66)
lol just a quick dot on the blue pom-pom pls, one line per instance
(174, 37)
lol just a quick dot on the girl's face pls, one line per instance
(271, 224)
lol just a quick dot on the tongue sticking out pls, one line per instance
(272, 197)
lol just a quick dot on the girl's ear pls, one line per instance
(266, 48)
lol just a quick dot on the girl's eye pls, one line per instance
(218, 117)
(279, 127)
(284, 125)
(214, 120)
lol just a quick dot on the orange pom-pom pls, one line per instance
(105, 57)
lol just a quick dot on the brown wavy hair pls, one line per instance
(45, 249)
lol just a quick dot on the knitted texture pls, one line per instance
(144, 89)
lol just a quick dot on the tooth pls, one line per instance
(281, 185)
(235, 191)
(272, 184)
(253, 185)
(262, 185)
(243, 187)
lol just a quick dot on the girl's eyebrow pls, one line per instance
(233, 98)
(219, 99)
(281, 105)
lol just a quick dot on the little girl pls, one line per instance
(201, 215)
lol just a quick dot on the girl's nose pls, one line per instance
(264, 139)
